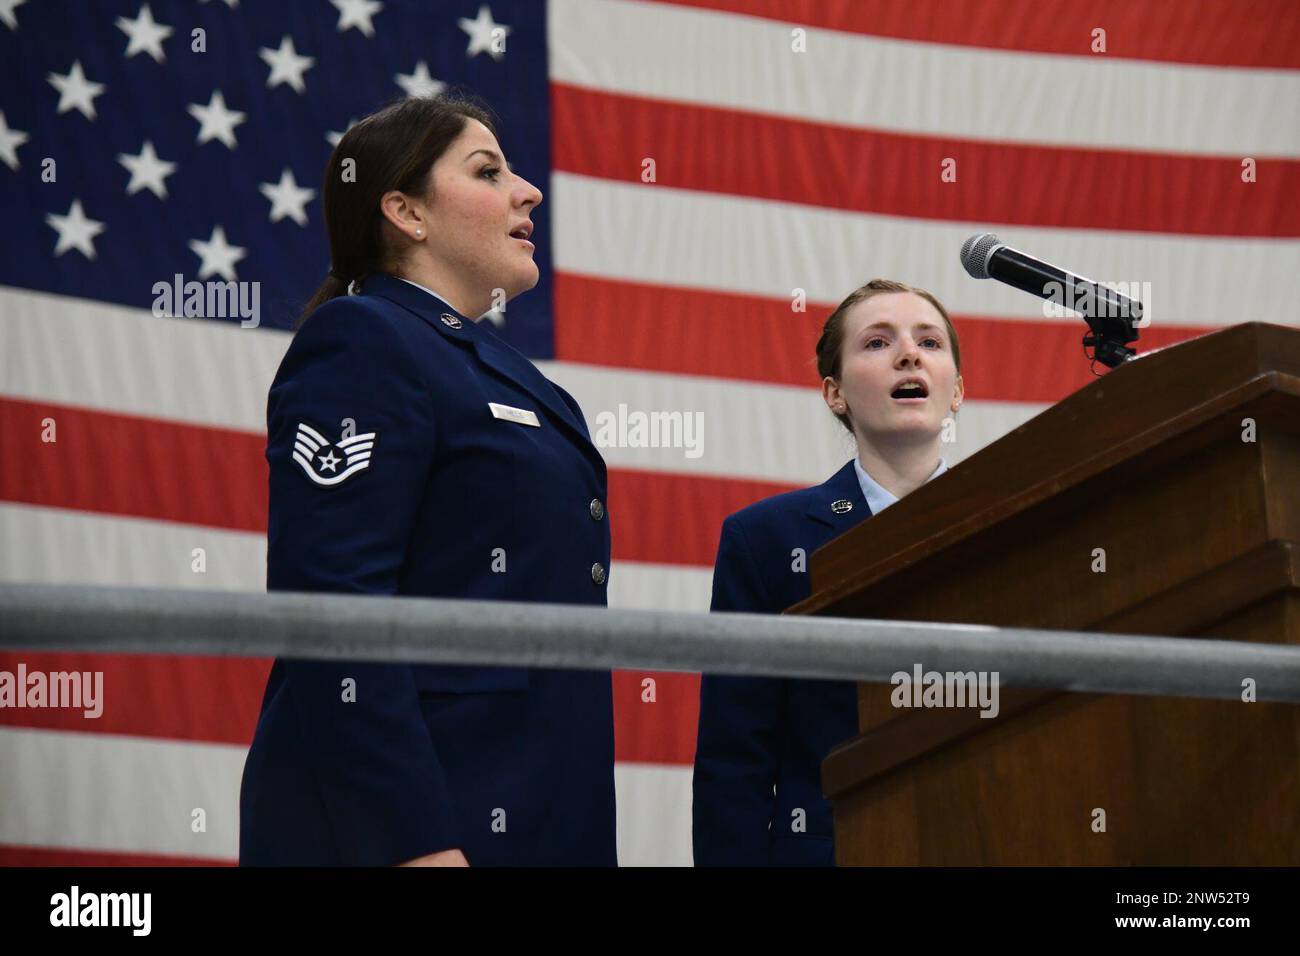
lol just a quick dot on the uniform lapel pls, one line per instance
(506, 360)
(831, 497)
(492, 351)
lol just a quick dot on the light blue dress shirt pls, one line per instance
(878, 497)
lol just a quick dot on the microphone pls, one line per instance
(1112, 317)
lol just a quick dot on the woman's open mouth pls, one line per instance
(521, 233)
(910, 391)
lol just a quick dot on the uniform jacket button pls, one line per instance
(598, 573)
(597, 509)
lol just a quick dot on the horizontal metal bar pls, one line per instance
(441, 631)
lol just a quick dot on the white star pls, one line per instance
(485, 34)
(230, 3)
(145, 34)
(328, 462)
(75, 91)
(147, 171)
(219, 257)
(286, 65)
(7, 8)
(75, 231)
(287, 198)
(419, 82)
(10, 140)
(357, 13)
(216, 121)
(334, 137)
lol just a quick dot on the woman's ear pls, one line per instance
(832, 396)
(403, 214)
(958, 392)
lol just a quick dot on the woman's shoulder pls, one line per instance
(775, 511)
(368, 329)
(360, 317)
(778, 512)
(355, 339)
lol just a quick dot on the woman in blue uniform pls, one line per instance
(891, 373)
(413, 452)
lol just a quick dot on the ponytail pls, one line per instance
(332, 288)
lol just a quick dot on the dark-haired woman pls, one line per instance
(413, 452)
(891, 373)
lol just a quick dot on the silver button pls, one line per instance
(450, 320)
(598, 573)
(597, 509)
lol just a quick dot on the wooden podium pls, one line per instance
(1183, 467)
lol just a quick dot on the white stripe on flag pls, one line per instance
(119, 794)
(75, 547)
(669, 52)
(659, 587)
(112, 358)
(687, 239)
(654, 814)
(78, 547)
(116, 794)
(761, 431)
(764, 432)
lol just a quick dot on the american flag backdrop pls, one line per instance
(718, 174)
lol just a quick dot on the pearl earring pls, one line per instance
(419, 232)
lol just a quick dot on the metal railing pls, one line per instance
(441, 631)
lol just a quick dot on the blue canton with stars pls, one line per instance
(167, 160)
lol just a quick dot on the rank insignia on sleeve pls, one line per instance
(331, 463)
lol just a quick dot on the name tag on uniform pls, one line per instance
(520, 415)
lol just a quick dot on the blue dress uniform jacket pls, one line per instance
(375, 764)
(757, 784)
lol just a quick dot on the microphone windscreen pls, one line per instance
(975, 253)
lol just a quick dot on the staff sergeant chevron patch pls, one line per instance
(331, 463)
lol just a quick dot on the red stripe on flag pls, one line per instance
(127, 465)
(1263, 33)
(208, 699)
(217, 699)
(685, 331)
(640, 501)
(62, 856)
(897, 174)
(724, 335)
(655, 716)
(222, 477)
